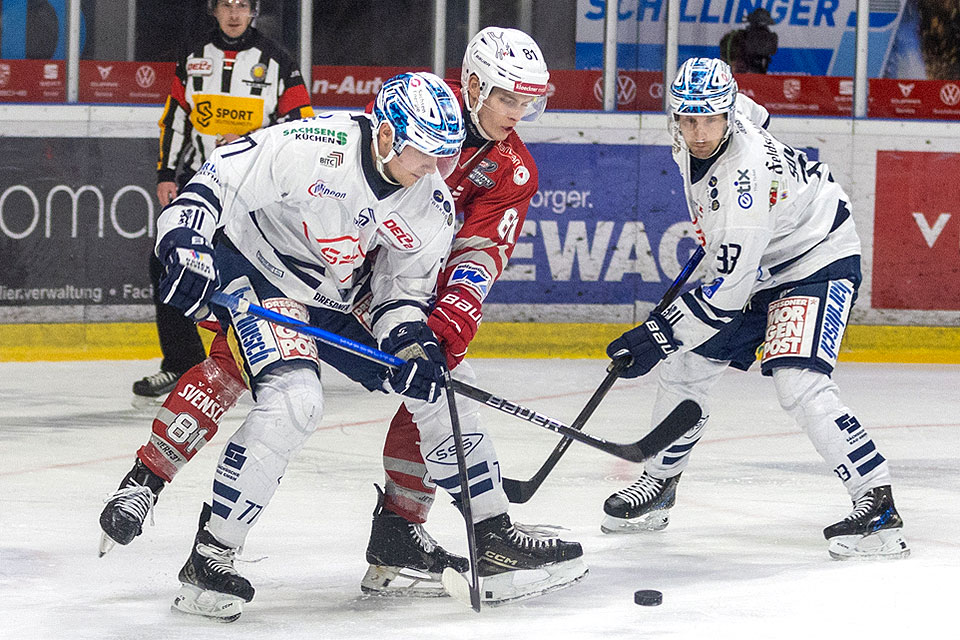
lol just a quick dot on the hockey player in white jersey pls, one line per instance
(782, 271)
(307, 219)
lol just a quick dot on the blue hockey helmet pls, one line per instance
(422, 112)
(703, 86)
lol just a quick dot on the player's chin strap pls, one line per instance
(681, 420)
(381, 161)
(475, 113)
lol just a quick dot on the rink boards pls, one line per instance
(605, 234)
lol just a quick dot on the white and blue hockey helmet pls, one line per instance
(703, 86)
(422, 112)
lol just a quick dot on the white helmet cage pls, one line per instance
(509, 59)
(254, 6)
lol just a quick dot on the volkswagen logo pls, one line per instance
(626, 90)
(950, 94)
(146, 76)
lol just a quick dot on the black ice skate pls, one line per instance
(127, 507)
(643, 506)
(154, 387)
(210, 586)
(516, 562)
(873, 529)
(404, 559)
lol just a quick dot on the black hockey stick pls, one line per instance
(453, 581)
(520, 491)
(629, 451)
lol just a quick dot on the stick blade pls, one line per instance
(684, 417)
(458, 587)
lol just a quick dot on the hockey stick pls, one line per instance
(632, 452)
(451, 580)
(520, 491)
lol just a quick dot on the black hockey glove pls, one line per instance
(421, 377)
(191, 276)
(646, 344)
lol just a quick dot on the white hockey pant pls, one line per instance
(684, 376)
(487, 498)
(813, 400)
(289, 404)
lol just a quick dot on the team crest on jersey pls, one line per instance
(363, 218)
(200, 67)
(473, 276)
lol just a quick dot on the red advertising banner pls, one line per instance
(125, 82)
(350, 87)
(32, 81)
(928, 99)
(800, 95)
(583, 90)
(916, 231)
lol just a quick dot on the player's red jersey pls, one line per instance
(492, 187)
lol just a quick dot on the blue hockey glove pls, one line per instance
(646, 344)
(422, 375)
(191, 277)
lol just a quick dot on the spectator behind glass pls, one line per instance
(749, 50)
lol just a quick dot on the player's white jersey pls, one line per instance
(766, 215)
(303, 202)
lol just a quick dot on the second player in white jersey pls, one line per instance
(768, 215)
(782, 272)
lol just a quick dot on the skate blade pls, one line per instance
(106, 544)
(214, 605)
(887, 544)
(514, 586)
(653, 521)
(381, 581)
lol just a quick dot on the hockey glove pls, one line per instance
(455, 320)
(191, 276)
(646, 344)
(421, 376)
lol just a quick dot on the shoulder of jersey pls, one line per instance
(333, 128)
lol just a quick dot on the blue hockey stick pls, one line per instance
(681, 420)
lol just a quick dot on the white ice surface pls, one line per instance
(743, 556)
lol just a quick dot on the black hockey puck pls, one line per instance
(648, 597)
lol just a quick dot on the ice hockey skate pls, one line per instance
(128, 506)
(404, 559)
(517, 562)
(159, 384)
(643, 506)
(210, 586)
(873, 529)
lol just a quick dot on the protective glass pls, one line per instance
(420, 164)
(515, 105)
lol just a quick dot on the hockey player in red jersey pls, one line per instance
(504, 81)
